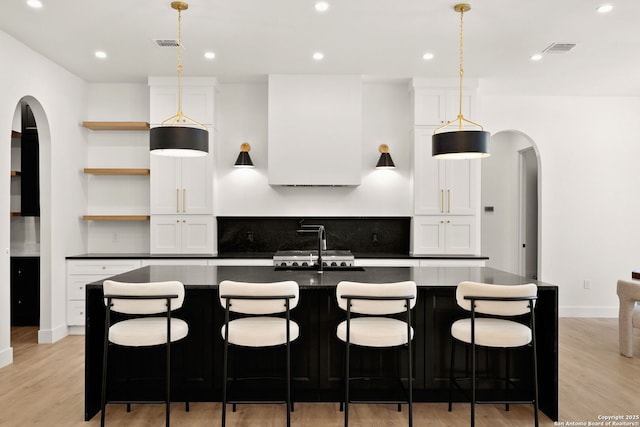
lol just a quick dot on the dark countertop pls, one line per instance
(210, 276)
(262, 255)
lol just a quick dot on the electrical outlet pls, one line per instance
(115, 237)
(586, 284)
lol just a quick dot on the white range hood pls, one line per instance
(315, 130)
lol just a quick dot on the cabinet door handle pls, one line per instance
(177, 200)
(441, 201)
(448, 201)
(184, 200)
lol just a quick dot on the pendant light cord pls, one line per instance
(179, 115)
(460, 117)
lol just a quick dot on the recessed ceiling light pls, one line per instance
(36, 4)
(428, 56)
(100, 54)
(321, 6)
(605, 8)
(318, 56)
(536, 57)
(210, 55)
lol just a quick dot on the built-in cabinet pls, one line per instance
(184, 186)
(446, 192)
(182, 234)
(435, 107)
(444, 235)
(82, 272)
(25, 291)
(443, 187)
(181, 190)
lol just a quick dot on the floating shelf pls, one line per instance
(116, 171)
(116, 125)
(16, 173)
(116, 217)
(15, 134)
(16, 214)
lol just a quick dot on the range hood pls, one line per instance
(315, 130)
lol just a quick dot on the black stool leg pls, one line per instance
(507, 376)
(451, 367)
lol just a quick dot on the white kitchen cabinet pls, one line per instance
(198, 99)
(181, 185)
(82, 272)
(443, 187)
(182, 234)
(444, 235)
(437, 106)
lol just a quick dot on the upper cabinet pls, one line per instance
(197, 99)
(437, 106)
(315, 129)
(447, 187)
(181, 185)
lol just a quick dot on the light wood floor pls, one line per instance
(44, 387)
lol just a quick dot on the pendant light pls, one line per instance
(461, 143)
(170, 138)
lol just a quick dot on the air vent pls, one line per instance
(559, 47)
(166, 42)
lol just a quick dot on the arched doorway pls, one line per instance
(30, 265)
(510, 204)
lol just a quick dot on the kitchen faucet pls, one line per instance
(322, 239)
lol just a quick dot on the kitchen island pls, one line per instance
(317, 354)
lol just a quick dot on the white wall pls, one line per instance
(500, 181)
(61, 97)
(242, 116)
(589, 226)
(117, 195)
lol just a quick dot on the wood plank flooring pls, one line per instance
(44, 387)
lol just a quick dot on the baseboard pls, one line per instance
(597, 312)
(49, 336)
(77, 330)
(6, 357)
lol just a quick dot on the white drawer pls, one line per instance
(76, 284)
(75, 313)
(106, 267)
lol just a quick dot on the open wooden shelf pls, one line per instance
(16, 214)
(116, 171)
(16, 173)
(116, 217)
(116, 125)
(15, 134)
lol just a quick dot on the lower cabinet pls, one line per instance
(182, 234)
(82, 272)
(25, 291)
(445, 235)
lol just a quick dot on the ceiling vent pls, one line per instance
(559, 48)
(166, 42)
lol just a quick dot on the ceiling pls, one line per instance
(380, 39)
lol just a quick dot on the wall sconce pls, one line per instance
(385, 161)
(244, 160)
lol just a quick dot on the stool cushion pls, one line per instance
(491, 332)
(375, 332)
(261, 331)
(146, 331)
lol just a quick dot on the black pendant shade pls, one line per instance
(179, 141)
(464, 144)
(385, 161)
(244, 160)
